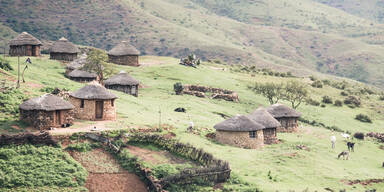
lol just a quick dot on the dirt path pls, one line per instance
(100, 125)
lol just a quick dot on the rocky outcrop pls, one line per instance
(217, 93)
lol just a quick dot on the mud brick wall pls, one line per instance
(63, 56)
(288, 125)
(44, 120)
(241, 139)
(270, 136)
(131, 60)
(89, 110)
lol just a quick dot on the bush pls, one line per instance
(323, 105)
(338, 103)
(312, 78)
(312, 102)
(381, 97)
(363, 118)
(4, 64)
(178, 87)
(164, 170)
(317, 84)
(327, 99)
(326, 82)
(352, 101)
(359, 135)
(343, 93)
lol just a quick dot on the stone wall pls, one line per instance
(24, 50)
(129, 89)
(46, 119)
(63, 56)
(217, 93)
(89, 110)
(288, 125)
(270, 136)
(241, 139)
(131, 60)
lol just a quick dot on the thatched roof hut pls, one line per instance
(240, 131)
(24, 45)
(63, 50)
(123, 82)
(76, 64)
(286, 116)
(262, 116)
(47, 111)
(82, 76)
(94, 102)
(124, 54)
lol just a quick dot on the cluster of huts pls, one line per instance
(93, 101)
(258, 128)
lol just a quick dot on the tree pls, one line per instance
(97, 62)
(295, 92)
(273, 92)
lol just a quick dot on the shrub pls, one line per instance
(317, 84)
(4, 64)
(363, 118)
(164, 170)
(178, 87)
(359, 135)
(352, 101)
(47, 89)
(343, 93)
(338, 103)
(326, 82)
(327, 99)
(312, 102)
(381, 97)
(312, 78)
(322, 105)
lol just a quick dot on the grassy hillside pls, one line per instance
(276, 167)
(299, 36)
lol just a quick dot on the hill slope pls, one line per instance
(276, 167)
(300, 36)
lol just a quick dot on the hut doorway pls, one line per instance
(34, 50)
(58, 117)
(99, 109)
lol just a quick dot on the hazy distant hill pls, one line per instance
(298, 35)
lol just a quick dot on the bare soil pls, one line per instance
(114, 182)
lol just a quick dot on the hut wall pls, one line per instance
(288, 125)
(24, 50)
(125, 88)
(88, 112)
(131, 60)
(270, 136)
(82, 79)
(63, 56)
(43, 120)
(241, 139)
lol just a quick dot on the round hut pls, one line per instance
(262, 116)
(123, 82)
(286, 116)
(63, 50)
(82, 76)
(24, 45)
(76, 64)
(47, 111)
(94, 102)
(124, 54)
(240, 131)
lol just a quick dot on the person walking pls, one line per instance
(333, 140)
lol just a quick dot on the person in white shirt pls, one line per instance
(333, 140)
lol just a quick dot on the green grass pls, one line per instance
(315, 169)
(31, 166)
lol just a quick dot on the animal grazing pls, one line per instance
(351, 146)
(344, 154)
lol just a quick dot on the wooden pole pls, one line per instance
(159, 118)
(18, 72)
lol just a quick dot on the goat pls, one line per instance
(345, 155)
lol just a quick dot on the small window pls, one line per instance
(113, 102)
(82, 103)
(252, 134)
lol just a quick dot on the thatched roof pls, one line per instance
(123, 48)
(78, 63)
(47, 102)
(279, 110)
(262, 116)
(80, 73)
(93, 91)
(239, 124)
(64, 46)
(123, 78)
(25, 39)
